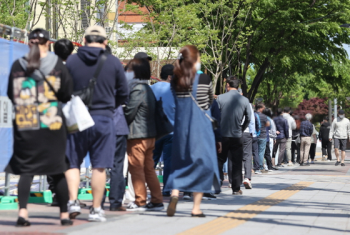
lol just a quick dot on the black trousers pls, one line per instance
(117, 184)
(327, 149)
(295, 147)
(59, 182)
(232, 149)
(267, 156)
(256, 159)
(312, 151)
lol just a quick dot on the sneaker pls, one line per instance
(237, 192)
(275, 168)
(97, 215)
(270, 170)
(155, 206)
(247, 183)
(208, 196)
(337, 163)
(290, 164)
(74, 209)
(328, 160)
(133, 207)
(312, 162)
(187, 196)
(258, 172)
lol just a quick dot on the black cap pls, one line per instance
(39, 33)
(142, 55)
(341, 111)
(167, 70)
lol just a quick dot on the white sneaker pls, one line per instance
(328, 160)
(247, 183)
(258, 172)
(312, 162)
(97, 216)
(290, 164)
(74, 209)
(133, 207)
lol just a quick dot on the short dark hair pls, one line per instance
(259, 106)
(279, 111)
(233, 82)
(325, 118)
(63, 48)
(267, 112)
(141, 68)
(286, 109)
(167, 70)
(94, 38)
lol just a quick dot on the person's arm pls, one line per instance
(121, 85)
(252, 121)
(247, 115)
(331, 132)
(137, 96)
(210, 93)
(286, 128)
(293, 123)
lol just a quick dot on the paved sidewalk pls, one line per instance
(294, 200)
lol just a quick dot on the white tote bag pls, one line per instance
(77, 116)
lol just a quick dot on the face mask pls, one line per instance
(129, 75)
(198, 66)
(341, 116)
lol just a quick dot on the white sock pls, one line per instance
(97, 209)
(71, 202)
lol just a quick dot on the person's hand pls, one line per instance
(330, 139)
(320, 140)
(219, 147)
(277, 132)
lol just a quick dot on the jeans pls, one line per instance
(262, 147)
(327, 148)
(255, 149)
(117, 183)
(247, 155)
(164, 146)
(232, 149)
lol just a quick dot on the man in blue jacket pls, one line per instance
(282, 130)
(111, 90)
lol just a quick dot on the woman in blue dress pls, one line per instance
(194, 162)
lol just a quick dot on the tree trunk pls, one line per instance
(257, 80)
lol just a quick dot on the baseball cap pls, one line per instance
(167, 70)
(341, 111)
(142, 55)
(96, 30)
(39, 33)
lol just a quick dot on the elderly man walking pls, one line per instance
(306, 130)
(340, 130)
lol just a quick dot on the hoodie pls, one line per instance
(324, 131)
(111, 89)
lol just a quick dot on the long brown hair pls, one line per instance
(184, 72)
(33, 57)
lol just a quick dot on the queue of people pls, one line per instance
(207, 132)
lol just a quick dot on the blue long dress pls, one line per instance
(194, 165)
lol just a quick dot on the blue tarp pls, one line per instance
(9, 52)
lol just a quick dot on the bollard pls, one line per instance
(7, 184)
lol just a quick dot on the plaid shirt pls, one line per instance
(306, 128)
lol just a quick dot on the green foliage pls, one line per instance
(14, 13)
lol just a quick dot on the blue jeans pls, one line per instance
(262, 147)
(164, 146)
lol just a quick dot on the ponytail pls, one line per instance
(33, 59)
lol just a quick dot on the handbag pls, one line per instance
(213, 121)
(75, 112)
(163, 125)
(86, 94)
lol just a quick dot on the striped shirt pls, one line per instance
(205, 94)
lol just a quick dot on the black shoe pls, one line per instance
(117, 208)
(337, 163)
(343, 164)
(22, 222)
(155, 206)
(66, 222)
(274, 168)
(198, 215)
(208, 196)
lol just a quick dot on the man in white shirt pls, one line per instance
(292, 125)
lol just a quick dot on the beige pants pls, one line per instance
(141, 168)
(305, 144)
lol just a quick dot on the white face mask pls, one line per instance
(129, 75)
(341, 116)
(198, 66)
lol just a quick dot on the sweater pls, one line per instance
(340, 129)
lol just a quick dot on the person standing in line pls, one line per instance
(39, 138)
(295, 138)
(324, 139)
(312, 152)
(282, 130)
(270, 137)
(340, 131)
(164, 145)
(255, 146)
(110, 91)
(262, 137)
(194, 165)
(235, 118)
(140, 116)
(248, 135)
(292, 126)
(306, 130)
